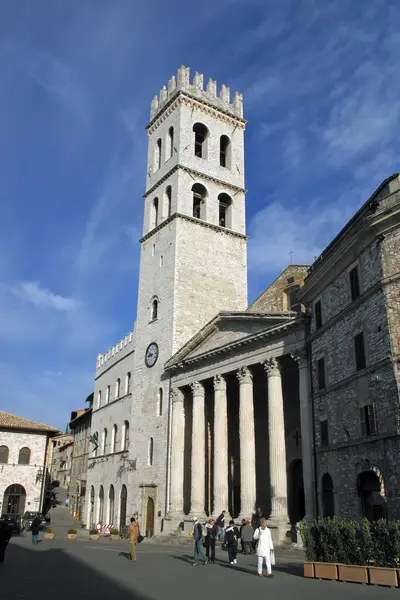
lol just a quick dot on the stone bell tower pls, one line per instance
(193, 250)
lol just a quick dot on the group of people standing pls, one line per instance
(253, 534)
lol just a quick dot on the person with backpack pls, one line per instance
(198, 542)
(220, 525)
(231, 540)
(265, 548)
(209, 542)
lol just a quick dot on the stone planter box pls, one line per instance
(353, 573)
(383, 576)
(325, 571)
(48, 536)
(309, 569)
(72, 536)
(115, 537)
(94, 537)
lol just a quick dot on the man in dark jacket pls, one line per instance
(35, 528)
(5, 535)
(231, 540)
(257, 518)
(220, 525)
(198, 542)
(209, 541)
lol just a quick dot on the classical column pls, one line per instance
(198, 451)
(177, 449)
(277, 447)
(220, 446)
(247, 444)
(306, 433)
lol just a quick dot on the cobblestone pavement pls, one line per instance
(101, 570)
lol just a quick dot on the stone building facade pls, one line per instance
(353, 290)
(80, 427)
(24, 463)
(62, 459)
(210, 404)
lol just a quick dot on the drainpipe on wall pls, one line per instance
(308, 333)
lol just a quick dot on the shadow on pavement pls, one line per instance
(125, 555)
(25, 574)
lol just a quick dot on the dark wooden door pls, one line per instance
(150, 517)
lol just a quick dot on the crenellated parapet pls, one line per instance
(196, 89)
(115, 353)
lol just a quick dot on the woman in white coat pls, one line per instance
(265, 547)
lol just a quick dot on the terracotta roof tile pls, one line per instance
(9, 421)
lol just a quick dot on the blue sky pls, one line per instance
(321, 89)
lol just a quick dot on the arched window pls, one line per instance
(157, 155)
(24, 457)
(111, 499)
(225, 151)
(108, 394)
(328, 499)
(160, 402)
(200, 140)
(4, 452)
(170, 149)
(225, 210)
(101, 504)
(114, 439)
(99, 399)
(199, 197)
(154, 309)
(125, 437)
(168, 196)
(128, 383)
(105, 446)
(117, 387)
(150, 452)
(154, 216)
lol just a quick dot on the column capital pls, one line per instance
(244, 375)
(301, 358)
(197, 388)
(176, 395)
(272, 367)
(219, 382)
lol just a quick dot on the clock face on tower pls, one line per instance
(151, 355)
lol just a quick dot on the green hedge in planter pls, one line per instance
(352, 542)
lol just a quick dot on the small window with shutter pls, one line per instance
(324, 433)
(318, 314)
(321, 373)
(368, 420)
(359, 348)
(354, 283)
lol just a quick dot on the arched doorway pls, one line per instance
(122, 511)
(150, 517)
(14, 499)
(101, 504)
(296, 503)
(373, 504)
(328, 498)
(111, 498)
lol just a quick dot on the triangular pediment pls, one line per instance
(226, 329)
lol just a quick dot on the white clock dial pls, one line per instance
(151, 355)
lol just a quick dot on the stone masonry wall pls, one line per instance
(272, 299)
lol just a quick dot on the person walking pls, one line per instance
(133, 533)
(265, 547)
(5, 535)
(220, 525)
(210, 540)
(247, 537)
(198, 542)
(231, 540)
(257, 518)
(35, 528)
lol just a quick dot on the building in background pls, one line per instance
(80, 426)
(62, 459)
(25, 452)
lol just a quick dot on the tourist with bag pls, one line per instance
(198, 542)
(134, 537)
(209, 540)
(220, 524)
(231, 540)
(247, 537)
(265, 548)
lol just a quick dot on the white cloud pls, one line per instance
(30, 291)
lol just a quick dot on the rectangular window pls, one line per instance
(354, 283)
(360, 351)
(318, 314)
(324, 432)
(321, 373)
(368, 420)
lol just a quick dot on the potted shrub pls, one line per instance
(114, 534)
(72, 534)
(49, 534)
(94, 534)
